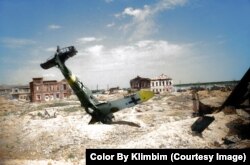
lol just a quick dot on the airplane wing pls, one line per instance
(126, 102)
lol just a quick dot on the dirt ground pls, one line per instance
(58, 132)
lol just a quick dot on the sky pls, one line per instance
(188, 40)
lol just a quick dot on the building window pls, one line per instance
(46, 97)
(64, 87)
(38, 97)
(37, 88)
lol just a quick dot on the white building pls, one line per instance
(161, 84)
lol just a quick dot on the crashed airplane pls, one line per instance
(100, 111)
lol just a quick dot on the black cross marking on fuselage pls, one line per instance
(133, 100)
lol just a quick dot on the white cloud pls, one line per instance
(17, 42)
(145, 50)
(132, 12)
(142, 23)
(168, 4)
(87, 40)
(54, 27)
(138, 14)
(50, 49)
(95, 50)
(133, 57)
(110, 25)
(98, 64)
(49, 75)
(117, 65)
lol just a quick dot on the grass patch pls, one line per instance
(72, 109)
(39, 114)
(41, 106)
(71, 156)
(58, 104)
(51, 104)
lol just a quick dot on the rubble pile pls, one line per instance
(58, 132)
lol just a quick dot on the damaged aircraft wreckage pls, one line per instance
(99, 111)
(238, 98)
(103, 111)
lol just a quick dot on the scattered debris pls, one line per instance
(240, 94)
(231, 139)
(201, 109)
(238, 98)
(202, 123)
(162, 122)
(243, 113)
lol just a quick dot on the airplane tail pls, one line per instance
(63, 54)
(145, 95)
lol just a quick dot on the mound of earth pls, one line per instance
(58, 132)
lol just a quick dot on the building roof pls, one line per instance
(37, 78)
(13, 86)
(139, 78)
(49, 81)
(162, 77)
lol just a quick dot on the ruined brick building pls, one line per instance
(49, 90)
(140, 83)
(18, 92)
